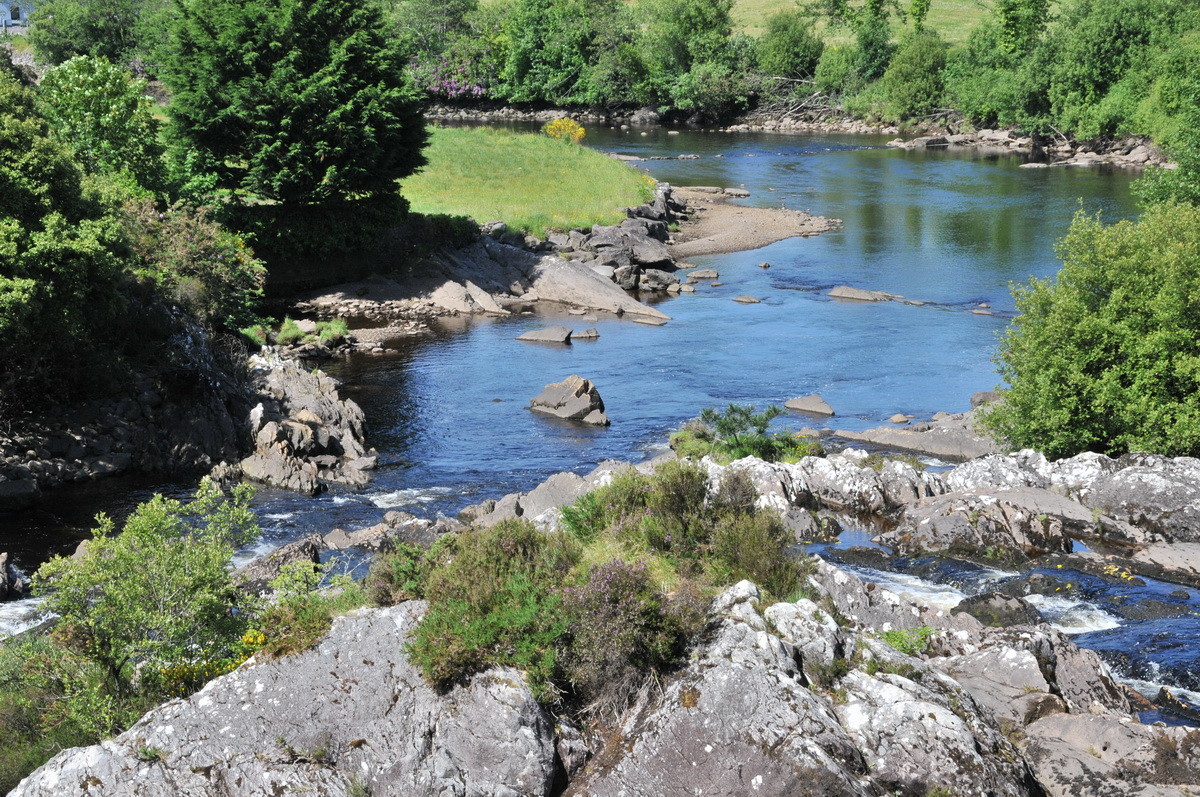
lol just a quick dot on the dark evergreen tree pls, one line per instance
(295, 103)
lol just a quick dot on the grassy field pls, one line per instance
(952, 19)
(530, 182)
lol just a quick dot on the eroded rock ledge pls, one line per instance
(799, 698)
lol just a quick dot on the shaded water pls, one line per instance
(448, 412)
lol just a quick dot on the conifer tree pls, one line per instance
(296, 103)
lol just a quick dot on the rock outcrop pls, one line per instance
(305, 435)
(351, 717)
(949, 437)
(573, 399)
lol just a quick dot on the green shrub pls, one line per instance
(756, 546)
(910, 641)
(913, 80)
(586, 518)
(196, 262)
(496, 602)
(307, 598)
(402, 573)
(1106, 356)
(837, 71)
(789, 48)
(1181, 184)
(873, 46)
(158, 593)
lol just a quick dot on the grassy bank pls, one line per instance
(530, 182)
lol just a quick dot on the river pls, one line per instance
(954, 229)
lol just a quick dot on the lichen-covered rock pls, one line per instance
(352, 716)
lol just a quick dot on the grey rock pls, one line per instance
(546, 335)
(19, 494)
(949, 437)
(847, 293)
(703, 274)
(575, 398)
(356, 698)
(255, 577)
(999, 610)
(984, 397)
(747, 300)
(812, 404)
(1013, 524)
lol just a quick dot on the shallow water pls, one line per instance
(448, 412)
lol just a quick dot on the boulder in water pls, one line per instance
(573, 399)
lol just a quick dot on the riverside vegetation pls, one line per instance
(589, 613)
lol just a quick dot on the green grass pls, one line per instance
(530, 182)
(952, 19)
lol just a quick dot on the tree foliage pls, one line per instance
(101, 111)
(119, 30)
(913, 80)
(1106, 357)
(789, 48)
(61, 257)
(160, 593)
(293, 102)
(1181, 184)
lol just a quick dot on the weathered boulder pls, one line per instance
(998, 610)
(546, 335)
(573, 399)
(1156, 493)
(747, 300)
(703, 274)
(18, 494)
(813, 404)
(396, 527)
(352, 716)
(1014, 524)
(305, 435)
(746, 716)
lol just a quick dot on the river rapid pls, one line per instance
(448, 414)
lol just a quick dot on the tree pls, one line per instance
(60, 259)
(1181, 184)
(552, 45)
(160, 592)
(789, 48)
(1106, 357)
(296, 103)
(1021, 23)
(101, 112)
(118, 30)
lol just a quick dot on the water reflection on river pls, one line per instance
(448, 413)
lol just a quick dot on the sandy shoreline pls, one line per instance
(716, 227)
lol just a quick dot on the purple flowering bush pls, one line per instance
(466, 70)
(619, 631)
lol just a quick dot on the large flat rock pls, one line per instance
(352, 716)
(953, 438)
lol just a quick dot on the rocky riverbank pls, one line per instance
(852, 691)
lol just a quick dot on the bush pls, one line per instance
(913, 80)
(1105, 356)
(195, 262)
(403, 573)
(1181, 184)
(496, 602)
(756, 546)
(789, 48)
(909, 641)
(289, 333)
(619, 631)
(160, 592)
(837, 71)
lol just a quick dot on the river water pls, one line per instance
(448, 412)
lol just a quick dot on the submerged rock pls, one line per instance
(546, 335)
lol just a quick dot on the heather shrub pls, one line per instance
(403, 573)
(619, 631)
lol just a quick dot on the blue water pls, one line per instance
(448, 413)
